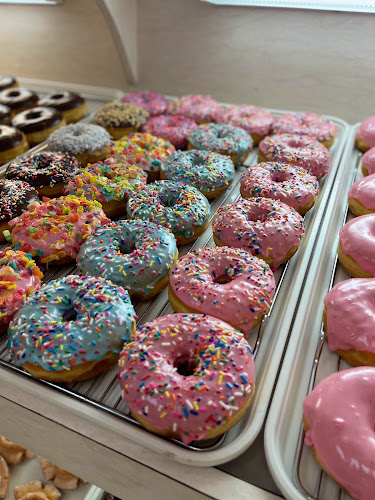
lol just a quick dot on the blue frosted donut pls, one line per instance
(134, 254)
(209, 172)
(71, 329)
(178, 206)
(224, 139)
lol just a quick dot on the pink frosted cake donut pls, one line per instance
(187, 376)
(19, 277)
(256, 121)
(361, 196)
(223, 282)
(202, 109)
(357, 246)
(154, 103)
(368, 162)
(303, 151)
(365, 138)
(310, 124)
(174, 129)
(281, 181)
(349, 320)
(268, 229)
(339, 425)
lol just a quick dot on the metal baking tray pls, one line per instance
(308, 360)
(268, 341)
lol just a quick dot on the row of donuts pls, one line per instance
(337, 423)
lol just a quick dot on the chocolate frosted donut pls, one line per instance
(120, 118)
(5, 114)
(72, 106)
(18, 99)
(7, 81)
(38, 123)
(12, 143)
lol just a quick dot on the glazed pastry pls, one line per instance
(361, 196)
(54, 230)
(339, 427)
(200, 108)
(368, 162)
(13, 452)
(365, 138)
(5, 114)
(281, 181)
(71, 310)
(174, 205)
(88, 143)
(211, 173)
(174, 129)
(4, 477)
(38, 123)
(7, 82)
(227, 283)
(256, 121)
(268, 229)
(135, 254)
(12, 143)
(224, 139)
(303, 151)
(152, 102)
(47, 172)
(120, 118)
(72, 106)
(196, 362)
(18, 99)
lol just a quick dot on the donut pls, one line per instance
(18, 99)
(71, 329)
(5, 114)
(303, 151)
(224, 139)
(88, 143)
(109, 183)
(281, 181)
(368, 162)
(227, 283)
(187, 376)
(256, 121)
(211, 173)
(145, 151)
(120, 118)
(361, 196)
(38, 123)
(154, 103)
(135, 254)
(310, 124)
(54, 230)
(200, 108)
(365, 138)
(47, 172)
(268, 229)
(7, 81)
(15, 196)
(339, 426)
(72, 106)
(357, 246)
(20, 277)
(349, 320)
(12, 143)
(177, 206)
(174, 129)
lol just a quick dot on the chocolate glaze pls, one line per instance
(7, 81)
(37, 119)
(10, 137)
(63, 100)
(15, 197)
(5, 113)
(17, 98)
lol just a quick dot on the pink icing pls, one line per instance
(351, 315)
(280, 181)
(221, 381)
(357, 239)
(366, 131)
(306, 124)
(264, 227)
(247, 294)
(364, 191)
(368, 160)
(152, 102)
(252, 119)
(304, 151)
(174, 129)
(198, 107)
(340, 412)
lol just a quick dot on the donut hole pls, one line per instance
(185, 365)
(258, 215)
(198, 160)
(33, 115)
(222, 280)
(57, 96)
(70, 314)
(296, 143)
(278, 176)
(126, 249)
(14, 93)
(168, 200)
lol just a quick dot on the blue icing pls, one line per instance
(134, 254)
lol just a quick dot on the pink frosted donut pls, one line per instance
(368, 162)
(174, 129)
(365, 138)
(268, 229)
(154, 103)
(200, 108)
(224, 282)
(307, 124)
(281, 181)
(303, 151)
(187, 376)
(256, 121)
(361, 196)
(339, 425)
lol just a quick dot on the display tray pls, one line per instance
(308, 360)
(268, 341)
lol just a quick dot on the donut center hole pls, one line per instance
(14, 93)
(69, 315)
(57, 96)
(295, 143)
(185, 366)
(126, 249)
(222, 280)
(260, 215)
(280, 176)
(221, 134)
(168, 201)
(33, 115)
(198, 160)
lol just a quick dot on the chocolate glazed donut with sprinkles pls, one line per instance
(187, 376)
